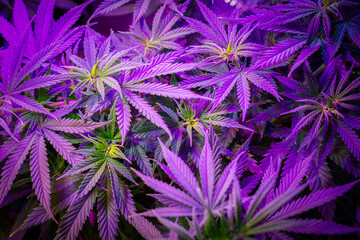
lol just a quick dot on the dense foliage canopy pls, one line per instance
(190, 119)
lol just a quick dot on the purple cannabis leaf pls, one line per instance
(45, 32)
(190, 122)
(107, 6)
(271, 217)
(240, 78)
(13, 164)
(38, 157)
(108, 216)
(62, 146)
(19, 75)
(325, 112)
(350, 138)
(72, 125)
(308, 202)
(160, 36)
(175, 94)
(223, 45)
(315, 13)
(350, 25)
(279, 54)
(146, 229)
(194, 199)
(98, 66)
(76, 216)
(43, 21)
(40, 174)
(139, 10)
(7, 31)
(102, 168)
(133, 82)
(307, 226)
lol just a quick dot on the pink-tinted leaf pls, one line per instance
(164, 69)
(293, 84)
(315, 226)
(249, 183)
(35, 61)
(314, 25)
(205, 30)
(142, 159)
(176, 33)
(266, 185)
(326, 25)
(354, 33)
(119, 67)
(223, 122)
(121, 169)
(15, 57)
(162, 64)
(157, 19)
(67, 40)
(165, 200)
(303, 122)
(39, 215)
(21, 22)
(274, 205)
(79, 168)
(315, 129)
(352, 121)
(61, 112)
